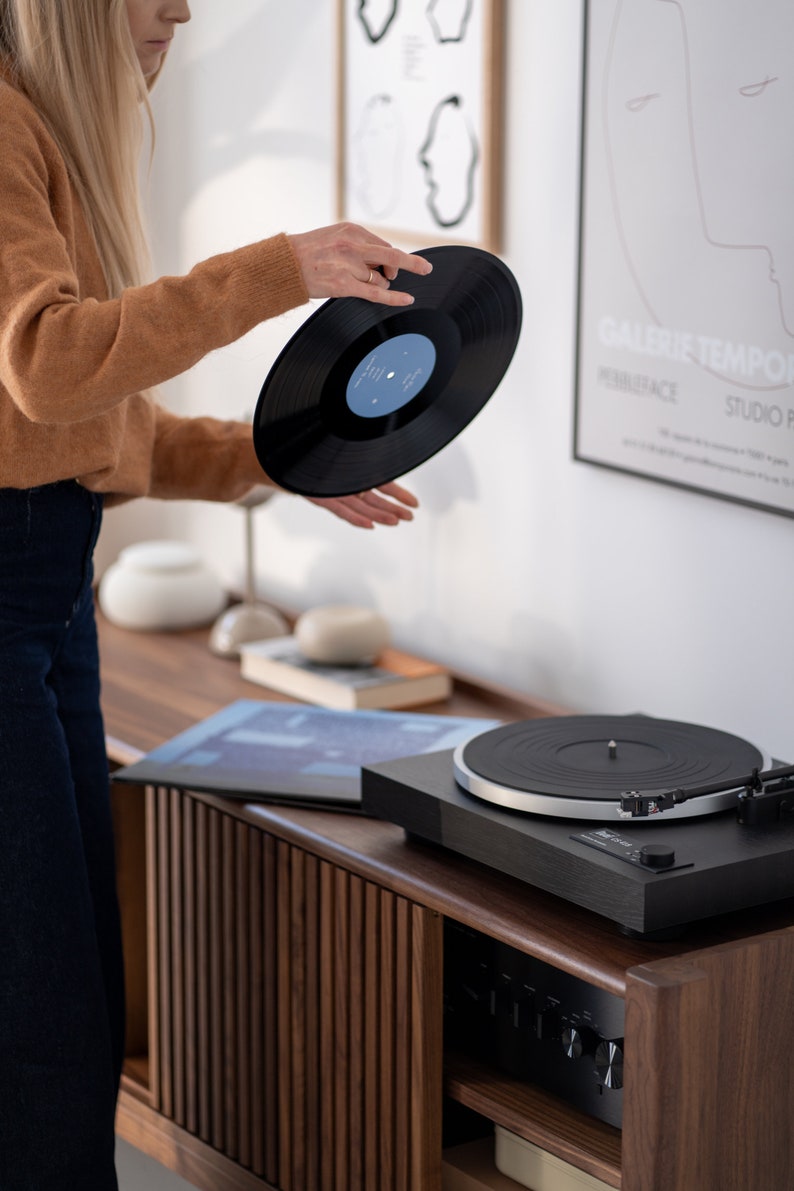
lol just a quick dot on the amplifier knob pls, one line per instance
(609, 1063)
(577, 1041)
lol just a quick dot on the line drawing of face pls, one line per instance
(376, 17)
(697, 114)
(377, 147)
(736, 98)
(449, 157)
(449, 18)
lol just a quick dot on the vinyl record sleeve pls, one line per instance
(288, 753)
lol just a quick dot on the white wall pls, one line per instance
(604, 592)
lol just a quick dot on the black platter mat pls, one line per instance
(363, 393)
(570, 756)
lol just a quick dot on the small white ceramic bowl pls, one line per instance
(160, 585)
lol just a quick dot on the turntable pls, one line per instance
(651, 823)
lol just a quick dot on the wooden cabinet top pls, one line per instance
(155, 685)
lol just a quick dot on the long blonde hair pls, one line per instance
(76, 61)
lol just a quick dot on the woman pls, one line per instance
(82, 342)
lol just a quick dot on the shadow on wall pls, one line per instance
(453, 480)
(339, 558)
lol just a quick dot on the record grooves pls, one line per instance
(363, 393)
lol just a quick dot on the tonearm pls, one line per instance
(762, 797)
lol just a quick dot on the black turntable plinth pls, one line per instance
(612, 828)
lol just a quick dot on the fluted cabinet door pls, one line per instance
(297, 1007)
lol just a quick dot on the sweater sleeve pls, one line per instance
(67, 356)
(202, 458)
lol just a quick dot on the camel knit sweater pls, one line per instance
(75, 365)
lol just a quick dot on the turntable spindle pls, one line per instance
(613, 749)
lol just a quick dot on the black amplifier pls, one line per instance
(533, 1022)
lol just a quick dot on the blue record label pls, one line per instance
(391, 375)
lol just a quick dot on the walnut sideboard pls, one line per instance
(285, 986)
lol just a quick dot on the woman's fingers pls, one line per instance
(388, 505)
(347, 261)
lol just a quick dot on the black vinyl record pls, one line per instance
(363, 393)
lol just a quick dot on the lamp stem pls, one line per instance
(250, 592)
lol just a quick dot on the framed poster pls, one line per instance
(685, 368)
(420, 117)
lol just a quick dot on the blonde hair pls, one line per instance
(76, 61)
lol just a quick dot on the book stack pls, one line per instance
(396, 679)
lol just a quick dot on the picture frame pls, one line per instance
(420, 117)
(685, 343)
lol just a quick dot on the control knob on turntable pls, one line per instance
(609, 1063)
(657, 856)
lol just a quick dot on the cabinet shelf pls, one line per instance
(535, 1115)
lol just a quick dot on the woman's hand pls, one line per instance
(347, 261)
(387, 505)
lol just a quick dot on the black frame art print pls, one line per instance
(685, 370)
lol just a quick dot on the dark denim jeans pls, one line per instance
(61, 980)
